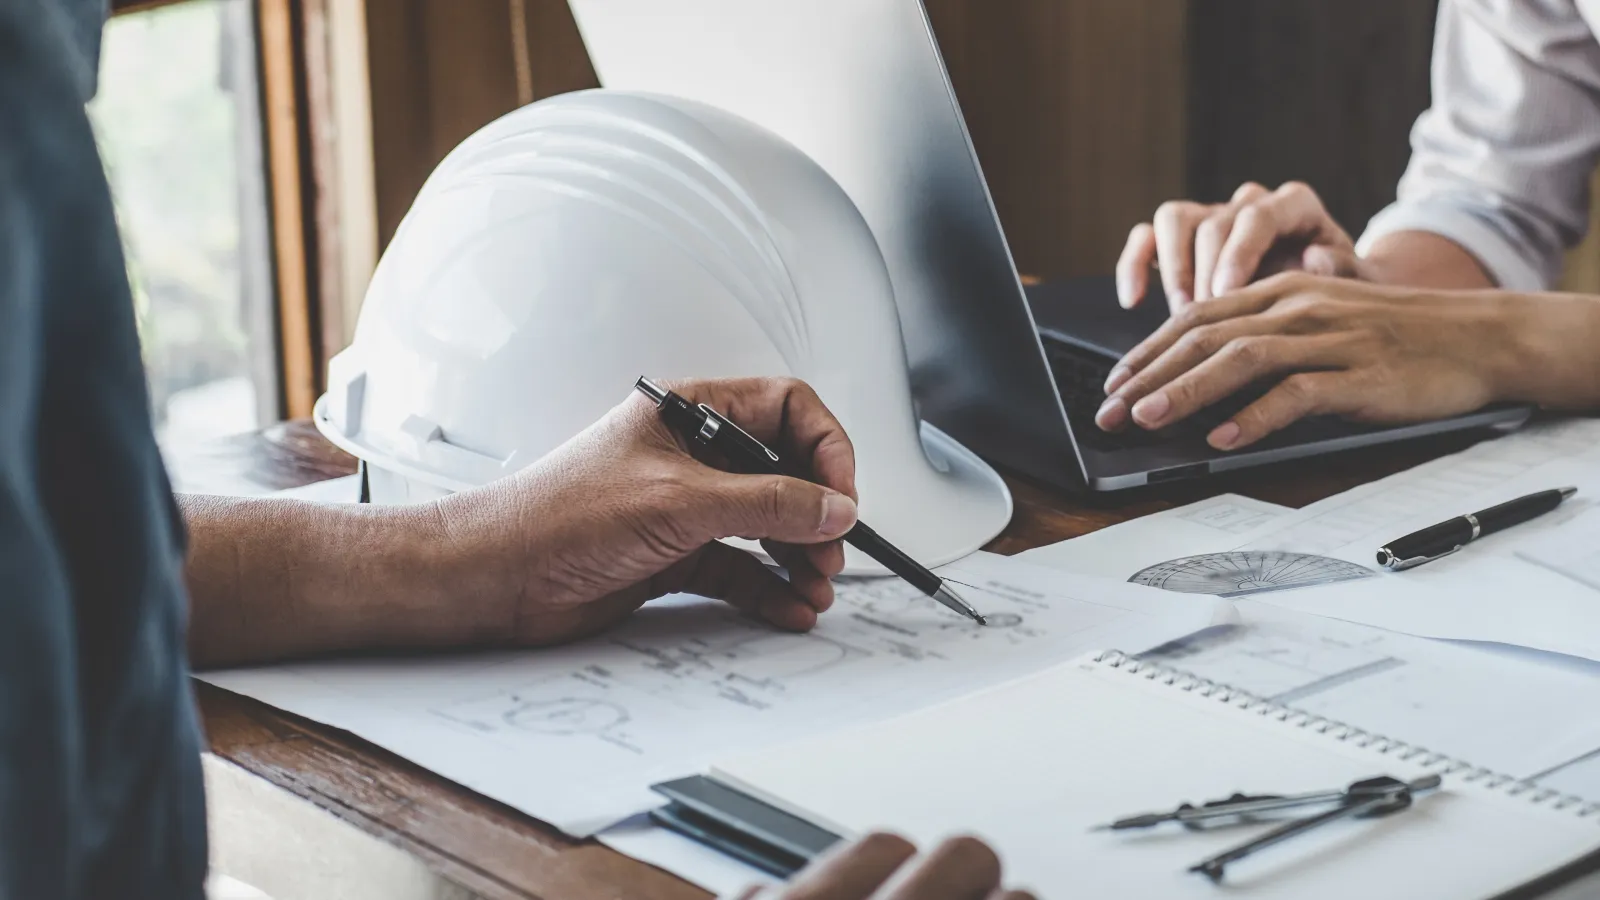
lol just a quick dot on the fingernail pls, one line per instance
(1124, 292)
(1113, 414)
(1225, 436)
(838, 514)
(1150, 411)
(1118, 377)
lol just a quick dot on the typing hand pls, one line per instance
(1206, 251)
(885, 867)
(1362, 351)
(622, 514)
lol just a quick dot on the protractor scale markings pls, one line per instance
(1240, 573)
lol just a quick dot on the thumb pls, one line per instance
(778, 508)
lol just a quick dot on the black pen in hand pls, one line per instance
(701, 425)
(1447, 537)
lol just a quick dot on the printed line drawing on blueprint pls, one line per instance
(686, 680)
(710, 660)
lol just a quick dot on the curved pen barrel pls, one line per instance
(1449, 536)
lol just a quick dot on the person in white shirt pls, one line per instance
(1444, 305)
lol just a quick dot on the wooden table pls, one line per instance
(366, 815)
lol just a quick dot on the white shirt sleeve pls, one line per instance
(1501, 162)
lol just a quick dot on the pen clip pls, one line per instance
(1395, 564)
(716, 421)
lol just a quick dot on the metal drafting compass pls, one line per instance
(1370, 798)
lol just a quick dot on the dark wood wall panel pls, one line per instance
(1075, 109)
(1086, 114)
(557, 60)
(1321, 91)
(442, 69)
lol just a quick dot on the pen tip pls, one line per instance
(1568, 492)
(982, 620)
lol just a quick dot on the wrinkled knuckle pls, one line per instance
(1202, 341)
(1301, 306)
(1301, 389)
(797, 387)
(1293, 281)
(1250, 189)
(1246, 352)
(1183, 394)
(1257, 218)
(1296, 189)
(1172, 213)
(1189, 317)
(782, 504)
(1213, 229)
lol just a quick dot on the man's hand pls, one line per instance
(623, 514)
(882, 867)
(1206, 251)
(1366, 352)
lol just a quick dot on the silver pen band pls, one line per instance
(953, 601)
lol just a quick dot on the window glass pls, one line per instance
(178, 123)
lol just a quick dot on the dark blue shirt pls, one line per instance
(100, 791)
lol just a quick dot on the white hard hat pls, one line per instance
(578, 243)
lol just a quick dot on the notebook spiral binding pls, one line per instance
(1437, 762)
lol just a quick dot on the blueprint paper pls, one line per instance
(1507, 587)
(1536, 585)
(1522, 713)
(1517, 716)
(575, 735)
(1120, 551)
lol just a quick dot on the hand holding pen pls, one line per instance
(702, 426)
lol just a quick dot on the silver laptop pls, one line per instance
(860, 86)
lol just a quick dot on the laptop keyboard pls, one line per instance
(1080, 376)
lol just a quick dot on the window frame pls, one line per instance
(299, 100)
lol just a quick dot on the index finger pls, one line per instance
(1249, 301)
(1292, 211)
(786, 414)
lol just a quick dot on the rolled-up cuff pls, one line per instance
(1507, 263)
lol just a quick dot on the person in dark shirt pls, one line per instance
(100, 787)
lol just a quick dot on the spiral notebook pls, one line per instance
(1033, 765)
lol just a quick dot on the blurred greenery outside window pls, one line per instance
(178, 121)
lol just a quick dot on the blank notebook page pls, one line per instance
(1033, 765)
